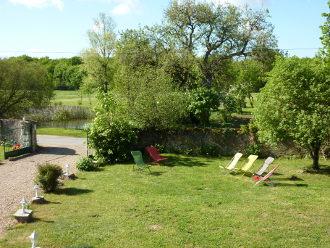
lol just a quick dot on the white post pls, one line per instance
(67, 169)
(23, 204)
(33, 237)
(36, 188)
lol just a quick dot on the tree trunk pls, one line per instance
(315, 154)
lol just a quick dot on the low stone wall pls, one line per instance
(210, 142)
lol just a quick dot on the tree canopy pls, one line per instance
(23, 85)
(294, 105)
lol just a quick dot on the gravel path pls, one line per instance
(16, 177)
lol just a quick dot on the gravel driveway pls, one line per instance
(16, 177)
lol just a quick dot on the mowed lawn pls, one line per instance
(190, 202)
(73, 98)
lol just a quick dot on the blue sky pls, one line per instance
(57, 28)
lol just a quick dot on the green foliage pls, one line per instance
(294, 104)
(22, 85)
(202, 102)
(47, 177)
(253, 149)
(222, 32)
(146, 98)
(325, 38)
(86, 164)
(250, 79)
(111, 138)
(97, 60)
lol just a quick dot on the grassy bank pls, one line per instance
(73, 98)
(188, 203)
(62, 132)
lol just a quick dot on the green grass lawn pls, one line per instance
(62, 132)
(73, 98)
(188, 203)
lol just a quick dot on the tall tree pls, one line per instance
(325, 38)
(97, 59)
(217, 32)
(294, 105)
(22, 85)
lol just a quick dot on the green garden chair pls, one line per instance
(138, 160)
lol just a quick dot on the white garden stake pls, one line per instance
(33, 237)
(36, 188)
(67, 169)
(23, 203)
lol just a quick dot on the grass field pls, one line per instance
(73, 98)
(62, 132)
(190, 202)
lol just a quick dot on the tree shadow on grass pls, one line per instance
(156, 173)
(72, 191)
(276, 184)
(56, 151)
(173, 161)
(42, 220)
(324, 170)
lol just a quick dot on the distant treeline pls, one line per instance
(63, 73)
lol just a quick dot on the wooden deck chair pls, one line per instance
(233, 162)
(154, 154)
(249, 163)
(265, 179)
(264, 167)
(138, 160)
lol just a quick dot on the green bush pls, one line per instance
(111, 139)
(253, 149)
(47, 177)
(86, 164)
(211, 150)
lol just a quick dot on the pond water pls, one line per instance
(73, 124)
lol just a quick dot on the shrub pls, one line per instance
(86, 164)
(111, 139)
(253, 149)
(48, 175)
(211, 150)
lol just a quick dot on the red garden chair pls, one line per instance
(154, 154)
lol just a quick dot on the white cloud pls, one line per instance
(40, 3)
(124, 7)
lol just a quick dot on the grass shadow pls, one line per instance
(156, 173)
(56, 151)
(72, 191)
(276, 184)
(173, 161)
(324, 170)
(42, 220)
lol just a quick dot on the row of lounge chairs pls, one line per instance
(260, 175)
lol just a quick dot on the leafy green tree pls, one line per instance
(97, 59)
(147, 98)
(294, 105)
(23, 85)
(219, 32)
(325, 38)
(250, 79)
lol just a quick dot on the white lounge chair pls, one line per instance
(264, 167)
(233, 162)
